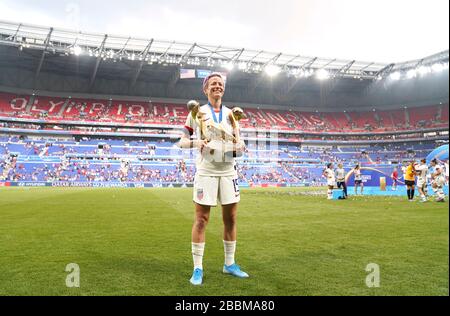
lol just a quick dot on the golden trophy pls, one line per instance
(197, 116)
(218, 137)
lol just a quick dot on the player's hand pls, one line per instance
(200, 144)
(239, 149)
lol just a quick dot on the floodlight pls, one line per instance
(438, 67)
(272, 70)
(423, 70)
(395, 75)
(242, 66)
(77, 50)
(228, 65)
(411, 73)
(322, 74)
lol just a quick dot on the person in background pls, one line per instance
(394, 176)
(438, 180)
(422, 172)
(358, 179)
(340, 176)
(446, 171)
(328, 173)
(410, 180)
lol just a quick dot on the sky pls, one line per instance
(375, 31)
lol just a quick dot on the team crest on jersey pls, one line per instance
(199, 194)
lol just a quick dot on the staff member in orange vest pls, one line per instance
(410, 177)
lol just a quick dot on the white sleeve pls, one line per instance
(190, 125)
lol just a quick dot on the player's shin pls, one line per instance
(330, 194)
(197, 254)
(440, 194)
(229, 249)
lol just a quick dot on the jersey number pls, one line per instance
(236, 185)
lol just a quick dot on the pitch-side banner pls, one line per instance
(61, 184)
(371, 176)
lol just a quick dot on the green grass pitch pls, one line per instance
(137, 242)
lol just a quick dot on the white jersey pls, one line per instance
(212, 162)
(438, 169)
(423, 172)
(438, 175)
(340, 174)
(329, 174)
(357, 174)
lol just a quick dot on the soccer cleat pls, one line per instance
(234, 270)
(440, 200)
(197, 277)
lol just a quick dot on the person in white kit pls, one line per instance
(446, 171)
(216, 179)
(358, 179)
(422, 172)
(340, 178)
(438, 180)
(329, 175)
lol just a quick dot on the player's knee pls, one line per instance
(231, 220)
(200, 223)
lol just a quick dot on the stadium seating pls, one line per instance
(160, 161)
(130, 113)
(157, 162)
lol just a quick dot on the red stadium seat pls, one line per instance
(55, 109)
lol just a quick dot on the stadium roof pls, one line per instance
(173, 52)
(52, 59)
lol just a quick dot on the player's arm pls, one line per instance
(239, 146)
(437, 171)
(235, 116)
(418, 170)
(186, 141)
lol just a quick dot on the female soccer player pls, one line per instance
(358, 179)
(329, 174)
(340, 176)
(422, 172)
(216, 177)
(438, 180)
